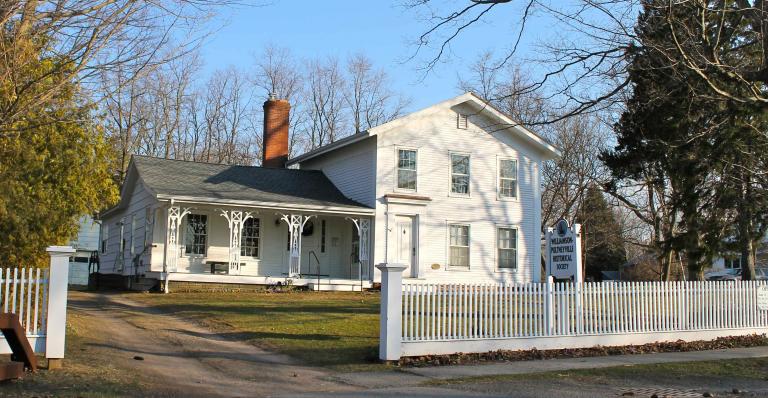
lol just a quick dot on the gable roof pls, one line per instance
(548, 150)
(221, 183)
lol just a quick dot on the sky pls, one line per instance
(383, 30)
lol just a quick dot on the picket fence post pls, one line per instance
(549, 309)
(56, 325)
(391, 315)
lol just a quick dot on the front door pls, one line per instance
(406, 244)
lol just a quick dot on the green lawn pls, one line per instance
(334, 329)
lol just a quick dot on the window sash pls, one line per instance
(460, 169)
(196, 236)
(506, 242)
(406, 169)
(458, 245)
(250, 238)
(508, 178)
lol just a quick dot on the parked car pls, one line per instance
(731, 274)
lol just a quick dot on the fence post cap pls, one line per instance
(56, 251)
(391, 267)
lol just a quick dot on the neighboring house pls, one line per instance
(86, 243)
(453, 192)
(734, 260)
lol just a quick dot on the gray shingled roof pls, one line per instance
(241, 183)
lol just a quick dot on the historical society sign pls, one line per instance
(564, 251)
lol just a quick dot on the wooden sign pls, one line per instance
(564, 251)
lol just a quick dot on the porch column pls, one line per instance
(175, 215)
(236, 220)
(363, 232)
(296, 224)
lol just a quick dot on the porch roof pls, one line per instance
(221, 183)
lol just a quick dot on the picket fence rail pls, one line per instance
(461, 311)
(24, 291)
(421, 318)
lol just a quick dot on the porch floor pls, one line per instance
(334, 284)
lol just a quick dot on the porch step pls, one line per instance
(334, 287)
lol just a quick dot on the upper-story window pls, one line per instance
(460, 174)
(249, 240)
(507, 178)
(196, 237)
(406, 169)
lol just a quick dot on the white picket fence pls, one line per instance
(24, 291)
(39, 298)
(428, 318)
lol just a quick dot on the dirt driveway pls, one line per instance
(173, 357)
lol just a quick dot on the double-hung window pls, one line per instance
(458, 245)
(250, 237)
(196, 236)
(406, 169)
(506, 248)
(104, 237)
(459, 174)
(507, 178)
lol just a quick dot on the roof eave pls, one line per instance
(348, 210)
(330, 147)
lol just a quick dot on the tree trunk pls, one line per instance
(666, 265)
(748, 255)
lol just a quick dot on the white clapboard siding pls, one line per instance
(440, 312)
(25, 292)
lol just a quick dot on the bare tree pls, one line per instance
(85, 38)
(325, 104)
(371, 102)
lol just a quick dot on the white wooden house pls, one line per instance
(452, 191)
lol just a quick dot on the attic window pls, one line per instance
(462, 121)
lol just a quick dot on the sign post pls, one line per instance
(564, 252)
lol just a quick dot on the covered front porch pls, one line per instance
(324, 249)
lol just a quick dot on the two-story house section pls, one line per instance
(456, 189)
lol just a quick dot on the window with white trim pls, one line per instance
(406, 169)
(459, 174)
(196, 236)
(133, 235)
(104, 237)
(458, 245)
(507, 178)
(506, 248)
(250, 238)
(734, 262)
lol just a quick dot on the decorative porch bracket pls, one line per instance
(175, 215)
(363, 232)
(296, 224)
(236, 220)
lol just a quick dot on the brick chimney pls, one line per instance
(276, 113)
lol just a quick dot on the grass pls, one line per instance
(339, 330)
(86, 372)
(746, 369)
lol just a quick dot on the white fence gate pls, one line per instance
(432, 319)
(39, 297)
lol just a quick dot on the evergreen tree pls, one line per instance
(53, 161)
(602, 240)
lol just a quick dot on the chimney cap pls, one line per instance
(272, 96)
